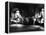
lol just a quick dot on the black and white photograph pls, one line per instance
(24, 17)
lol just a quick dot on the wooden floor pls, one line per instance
(26, 28)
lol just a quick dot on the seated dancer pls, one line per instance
(17, 17)
(39, 17)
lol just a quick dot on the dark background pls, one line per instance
(28, 8)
